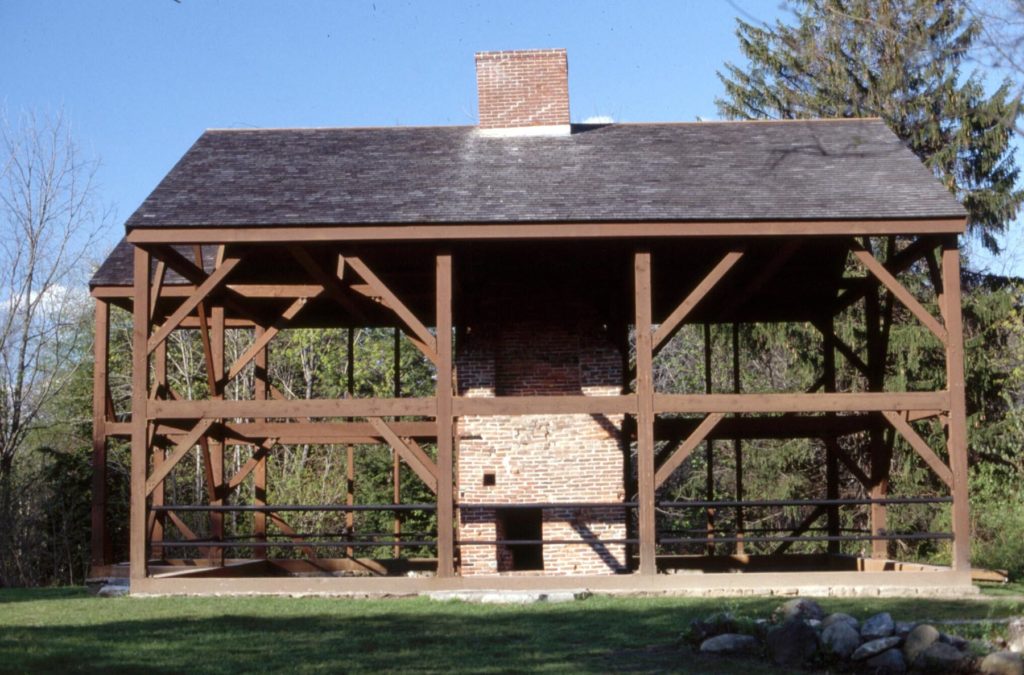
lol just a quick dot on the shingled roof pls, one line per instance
(729, 171)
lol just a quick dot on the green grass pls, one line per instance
(67, 630)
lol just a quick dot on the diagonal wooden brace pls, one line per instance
(899, 291)
(261, 342)
(688, 446)
(413, 455)
(423, 339)
(670, 325)
(262, 451)
(901, 425)
(179, 452)
(208, 286)
(332, 285)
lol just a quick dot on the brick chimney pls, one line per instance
(523, 93)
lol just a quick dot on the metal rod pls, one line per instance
(852, 537)
(271, 508)
(809, 502)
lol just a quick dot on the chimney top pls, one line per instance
(523, 93)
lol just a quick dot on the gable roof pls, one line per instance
(726, 171)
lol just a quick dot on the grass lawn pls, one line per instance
(67, 630)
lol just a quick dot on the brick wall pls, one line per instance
(541, 458)
(523, 88)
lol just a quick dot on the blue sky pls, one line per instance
(141, 79)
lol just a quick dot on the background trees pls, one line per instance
(49, 218)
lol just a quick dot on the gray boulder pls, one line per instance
(874, 647)
(878, 626)
(954, 640)
(841, 639)
(918, 640)
(798, 608)
(839, 617)
(1002, 663)
(889, 662)
(793, 643)
(1015, 635)
(730, 643)
(903, 628)
(941, 658)
(112, 591)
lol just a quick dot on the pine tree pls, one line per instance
(899, 60)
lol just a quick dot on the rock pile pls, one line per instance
(800, 633)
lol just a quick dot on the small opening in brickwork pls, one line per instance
(523, 525)
(489, 479)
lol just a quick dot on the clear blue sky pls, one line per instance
(141, 79)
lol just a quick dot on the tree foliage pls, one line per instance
(902, 61)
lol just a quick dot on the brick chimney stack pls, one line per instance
(523, 93)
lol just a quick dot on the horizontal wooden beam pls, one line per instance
(343, 407)
(548, 405)
(783, 403)
(307, 232)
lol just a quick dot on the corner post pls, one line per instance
(957, 432)
(879, 455)
(140, 395)
(260, 381)
(828, 347)
(445, 420)
(100, 536)
(645, 413)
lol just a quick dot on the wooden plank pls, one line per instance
(671, 324)
(140, 383)
(101, 552)
(647, 532)
(957, 427)
(414, 456)
(920, 446)
(293, 408)
(445, 420)
(179, 452)
(310, 232)
(328, 432)
(902, 294)
(208, 286)
(783, 403)
(688, 446)
(258, 457)
(427, 342)
(550, 405)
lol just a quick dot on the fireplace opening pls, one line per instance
(520, 525)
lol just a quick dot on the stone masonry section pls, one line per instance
(523, 88)
(541, 458)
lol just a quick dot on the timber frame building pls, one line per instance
(540, 267)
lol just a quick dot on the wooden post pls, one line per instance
(737, 444)
(157, 496)
(645, 413)
(709, 449)
(140, 395)
(445, 421)
(350, 454)
(216, 442)
(395, 460)
(957, 431)
(261, 382)
(879, 454)
(101, 550)
(831, 449)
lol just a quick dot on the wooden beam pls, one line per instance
(445, 419)
(899, 291)
(671, 324)
(258, 457)
(259, 494)
(158, 282)
(920, 446)
(782, 403)
(331, 284)
(185, 530)
(140, 384)
(414, 456)
(179, 452)
(309, 232)
(101, 550)
(852, 466)
(550, 405)
(956, 440)
(804, 525)
(291, 534)
(688, 446)
(208, 286)
(419, 335)
(259, 345)
(295, 408)
(764, 275)
(895, 265)
(646, 485)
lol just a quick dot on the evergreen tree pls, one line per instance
(899, 60)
